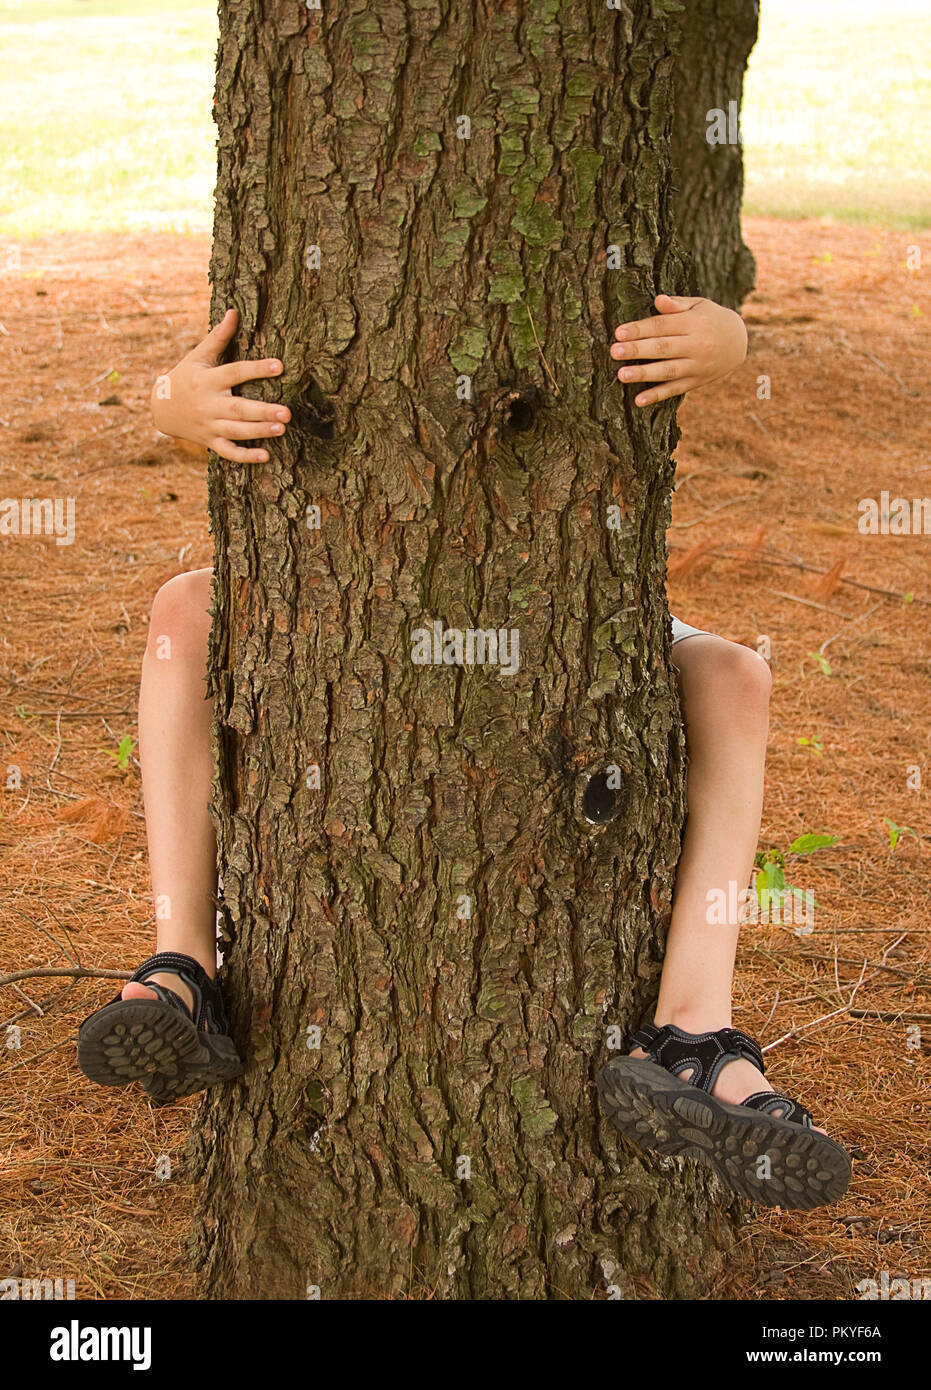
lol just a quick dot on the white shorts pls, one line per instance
(682, 630)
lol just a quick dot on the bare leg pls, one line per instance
(725, 691)
(174, 750)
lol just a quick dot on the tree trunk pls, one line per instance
(717, 36)
(427, 953)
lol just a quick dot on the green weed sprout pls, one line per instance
(124, 752)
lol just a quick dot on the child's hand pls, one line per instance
(196, 401)
(696, 341)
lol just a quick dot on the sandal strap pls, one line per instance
(208, 1000)
(768, 1101)
(704, 1054)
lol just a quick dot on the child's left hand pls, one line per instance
(695, 340)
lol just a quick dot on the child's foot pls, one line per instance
(670, 1096)
(736, 1081)
(133, 990)
(167, 1029)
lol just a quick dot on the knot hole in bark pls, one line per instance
(521, 409)
(312, 413)
(314, 1112)
(601, 794)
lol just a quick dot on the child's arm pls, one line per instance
(195, 401)
(694, 340)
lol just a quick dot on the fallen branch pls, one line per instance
(887, 1017)
(772, 557)
(811, 603)
(75, 971)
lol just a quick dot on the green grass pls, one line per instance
(105, 109)
(848, 85)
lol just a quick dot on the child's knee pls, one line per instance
(179, 624)
(724, 679)
(744, 678)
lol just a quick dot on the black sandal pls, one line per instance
(650, 1105)
(160, 1042)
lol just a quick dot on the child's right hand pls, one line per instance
(195, 401)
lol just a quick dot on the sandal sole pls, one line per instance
(147, 1041)
(659, 1112)
(222, 1063)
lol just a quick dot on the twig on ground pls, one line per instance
(77, 972)
(810, 603)
(34, 1007)
(861, 352)
(57, 694)
(771, 557)
(36, 1055)
(825, 1018)
(80, 714)
(72, 952)
(772, 1010)
(57, 748)
(891, 947)
(885, 1016)
(849, 960)
(684, 525)
(74, 1163)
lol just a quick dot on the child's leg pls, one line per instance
(763, 1146)
(724, 690)
(174, 750)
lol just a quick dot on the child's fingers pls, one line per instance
(247, 429)
(218, 339)
(244, 408)
(235, 373)
(663, 393)
(675, 303)
(648, 347)
(227, 450)
(676, 370)
(646, 328)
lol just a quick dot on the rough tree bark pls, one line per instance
(465, 907)
(717, 36)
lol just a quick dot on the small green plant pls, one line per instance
(815, 744)
(124, 752)
(822, 662)
(771, 883)
(897, 831)
(114, 375)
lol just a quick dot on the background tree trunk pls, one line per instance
(717, 36)
(441, 909)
